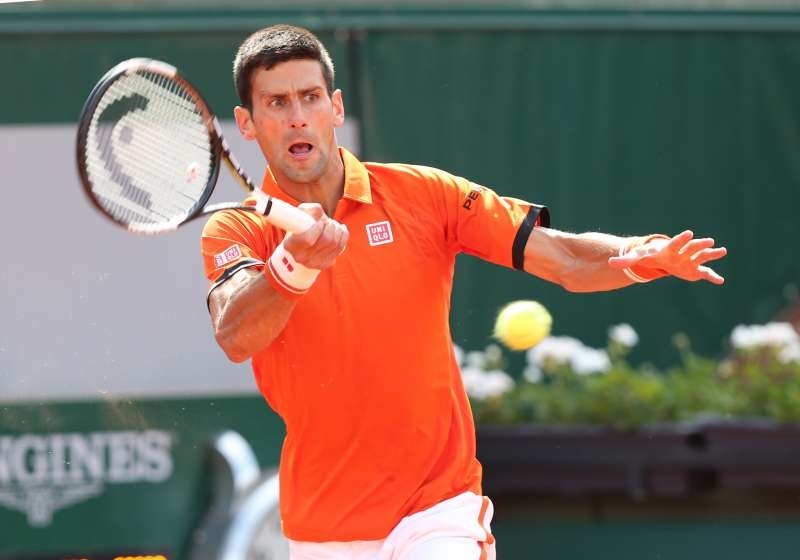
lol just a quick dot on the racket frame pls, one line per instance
(220, 151)
(277, 212)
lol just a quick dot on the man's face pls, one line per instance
(293, 119)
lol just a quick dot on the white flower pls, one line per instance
(474, 359)
(588, 360)
(789, 354)
(471, 377)
(481, 384)
(555, 348)
(493, 354)
(565, 350)
(497, 382)
(459, 353)
(777, 335)
(782, 334)
(532, 374)
(624, 335)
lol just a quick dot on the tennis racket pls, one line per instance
(149, 150)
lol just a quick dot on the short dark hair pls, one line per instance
(269, 47)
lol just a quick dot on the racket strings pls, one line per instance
(148, 153)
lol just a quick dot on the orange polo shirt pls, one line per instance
(378, 425)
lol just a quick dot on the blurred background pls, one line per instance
(627, 117)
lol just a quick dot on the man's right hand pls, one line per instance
(320, 245)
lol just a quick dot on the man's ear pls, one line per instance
(245, 122)
(338, 108)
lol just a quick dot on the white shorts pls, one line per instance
(455, 529)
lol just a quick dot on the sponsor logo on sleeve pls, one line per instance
(473, 195)
(227, 256)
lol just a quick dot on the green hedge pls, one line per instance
(758, 377)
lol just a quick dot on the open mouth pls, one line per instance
(301, 149)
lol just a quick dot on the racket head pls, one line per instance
(148, 147)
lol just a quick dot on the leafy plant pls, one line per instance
(567, 383)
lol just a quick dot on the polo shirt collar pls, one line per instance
(356, 181)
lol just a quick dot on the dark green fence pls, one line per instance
(620, 127)
(618, 131)
(620, 122)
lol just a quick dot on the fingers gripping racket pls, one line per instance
(149, 151)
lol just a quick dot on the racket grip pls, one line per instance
(287, 217)
(282, 214)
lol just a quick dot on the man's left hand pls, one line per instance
(681, 256)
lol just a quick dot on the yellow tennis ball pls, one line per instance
(522, 324)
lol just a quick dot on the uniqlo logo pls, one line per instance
(228, 255)
(379, 233)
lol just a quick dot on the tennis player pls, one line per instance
(346, 324)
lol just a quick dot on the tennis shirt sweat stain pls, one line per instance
(378, 425)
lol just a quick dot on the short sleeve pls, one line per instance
(482, 223)
(231, 241)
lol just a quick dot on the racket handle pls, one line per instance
(282, 214)
(288, 217)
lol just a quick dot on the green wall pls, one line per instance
(616, 128)
(626, 123)
(53, 73)
(619, 131)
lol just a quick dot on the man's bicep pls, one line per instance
(221, 293)
(547, 254)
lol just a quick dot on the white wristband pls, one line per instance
(627, 271)
(290, 274)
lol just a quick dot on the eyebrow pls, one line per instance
(263, 93)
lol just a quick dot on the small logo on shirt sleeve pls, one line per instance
(228, 255)
(379, 233)
(473, 195)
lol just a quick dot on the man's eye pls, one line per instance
(276, 102)
(312, 97)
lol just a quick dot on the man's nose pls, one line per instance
(297, 115)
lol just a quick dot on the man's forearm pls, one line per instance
(590, 271)
(576, 261)
(248, 313)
